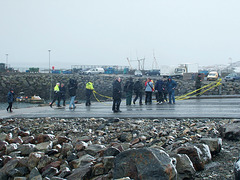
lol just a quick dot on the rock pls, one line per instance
(215, 144)
(17, 140)
(28, 139)
(44, 138)
(108, 162)
(44, 161)
(125, 137)
(34, 158)
(45, 146)
(83, 172)
(11, 147)
(20, 178)
(80, 145)
(237, 169)
(65, 148)
(64, 172)
(94, 149)
(26, 149)
(35, 175)
(18, 172)
(145, 163)
(205, 153)
(50, 172)
(3, 145)
(98, 169)
(63, 139)
(86, 159)
(112, 151)
(8, 167)
(194, 154)
(231, 131)
(184, 166)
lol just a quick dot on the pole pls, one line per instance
(49, 58)
(6, 61)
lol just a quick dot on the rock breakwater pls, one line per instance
(98, 148)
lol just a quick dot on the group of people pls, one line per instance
(60, 94)
(162, 88)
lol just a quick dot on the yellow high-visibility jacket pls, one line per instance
(89, 85)
(56, 88)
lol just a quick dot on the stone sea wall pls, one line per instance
(42, 84)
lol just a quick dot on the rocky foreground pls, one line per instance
(102, 149)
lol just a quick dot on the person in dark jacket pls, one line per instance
(198, 84)
(128, 88)
(138, 90)
(171, 85)
(117, 95)
(10, 99)
(159, 89)
(149, 88)
(63, 93)
(72, 88)
(165, 92)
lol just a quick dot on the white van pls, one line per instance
(94, 71)
(213, 75)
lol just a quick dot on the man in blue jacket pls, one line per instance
(171, 85)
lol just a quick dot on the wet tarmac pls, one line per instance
(215, 107)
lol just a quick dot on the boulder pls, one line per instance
(184, 166)
(144, 163)
(83, 172)
(194, 154)
(231, 131)
(215, 144)
(94, 149)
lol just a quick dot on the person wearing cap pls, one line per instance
(171, 85)
(57, 95)
(89, 91)
(10, 99)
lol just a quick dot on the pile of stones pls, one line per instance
(102, 149)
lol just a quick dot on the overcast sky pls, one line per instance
(93, 32)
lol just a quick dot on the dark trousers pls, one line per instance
(160, 96)
(9, 106)
(138, 94)
(88, 97)
(57, 96)
(128, 98)
(63, 97)
(148, 97)
(165, 96)
(198, 91)
(116, 104)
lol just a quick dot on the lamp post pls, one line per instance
(6, 61)
(49, 52)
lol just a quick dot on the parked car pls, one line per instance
(94, 71)
(138, 73)
(153, 72)
(213, 75)
(232, 77)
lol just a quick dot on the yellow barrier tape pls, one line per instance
(187, 96)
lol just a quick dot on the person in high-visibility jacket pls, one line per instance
(56, 96)
(89, 90)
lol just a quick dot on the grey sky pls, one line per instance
(108, 31)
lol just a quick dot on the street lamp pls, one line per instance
(49, 52)
(6, 61)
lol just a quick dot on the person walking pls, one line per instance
(165, 92)
(63, 94)
(56, 96)
(138, 90)
(117, 95)
(89, 91)
(171, 85)
(72, 88)
(198, 84)
(10, 99)
(148, 91)
(128, 88)
(159, 91)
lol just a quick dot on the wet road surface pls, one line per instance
(191, 108)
